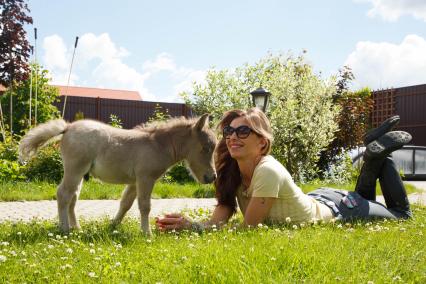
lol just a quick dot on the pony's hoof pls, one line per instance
(147, 234)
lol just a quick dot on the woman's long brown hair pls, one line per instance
(228, 173)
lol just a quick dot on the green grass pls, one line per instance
(94, 189)
(381, 252)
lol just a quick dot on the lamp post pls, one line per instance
(260, 98)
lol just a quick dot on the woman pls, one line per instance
(266, 192)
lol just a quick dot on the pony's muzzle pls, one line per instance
(209, 178)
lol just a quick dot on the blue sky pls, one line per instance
(159, 47)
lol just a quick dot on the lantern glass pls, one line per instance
(259, 102)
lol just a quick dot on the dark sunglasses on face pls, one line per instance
(242, 131)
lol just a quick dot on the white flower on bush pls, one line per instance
(288, 220)
(3, 258)
(92, 274)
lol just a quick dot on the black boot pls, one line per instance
(374, 156)
(386, 144)
(393, 189)
(385, 127)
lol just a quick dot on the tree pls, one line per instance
(353, 119)
(14, 46)
(301, 111)
(47, 95)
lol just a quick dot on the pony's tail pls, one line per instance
(38, 136)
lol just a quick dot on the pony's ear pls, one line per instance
(202, 121)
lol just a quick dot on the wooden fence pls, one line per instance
(409, 103)
(131, 113)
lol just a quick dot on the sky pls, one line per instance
(159, 48)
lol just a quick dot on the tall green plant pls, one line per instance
(159, 114)
(301, 111)
(46, 96)
(115, 121)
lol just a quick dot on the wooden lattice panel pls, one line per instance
(384, 106)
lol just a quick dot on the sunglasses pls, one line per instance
(242, 131)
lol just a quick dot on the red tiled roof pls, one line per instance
(101, 93)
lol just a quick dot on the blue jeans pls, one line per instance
(361, 208)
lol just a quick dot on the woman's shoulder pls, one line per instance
(271, 165)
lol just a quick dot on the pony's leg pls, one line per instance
(144, 189)
(127, 198)
(73, 221)
(66, 191)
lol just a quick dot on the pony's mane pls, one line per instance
(160, 126)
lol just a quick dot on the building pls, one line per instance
(98, 93)
(407, 102)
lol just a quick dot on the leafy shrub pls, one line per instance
(178, 173)
(11, 171)
(46, 166)
(341, 170)
(115, 121)
(9, 149)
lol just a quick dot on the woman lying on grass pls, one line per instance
(266, 193)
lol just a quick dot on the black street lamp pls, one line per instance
(260, 98)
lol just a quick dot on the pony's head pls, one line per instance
(200, 157)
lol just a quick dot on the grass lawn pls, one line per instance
(94, 189)
(380, 252)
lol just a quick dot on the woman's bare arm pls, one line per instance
(257, 210)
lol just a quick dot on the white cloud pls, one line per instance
(385, 65)
(56, 57)
(392, 10)
(99, 63)
(187, 77)
(163, 62)
(57, 60)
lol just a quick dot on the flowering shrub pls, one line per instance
(301, 109)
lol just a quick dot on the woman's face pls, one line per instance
(244, 148)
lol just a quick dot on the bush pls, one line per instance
(46, 166)
(178, 173)
(11, 171)
(9, 149)
(341, 171)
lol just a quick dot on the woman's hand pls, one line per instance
(174, 221)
